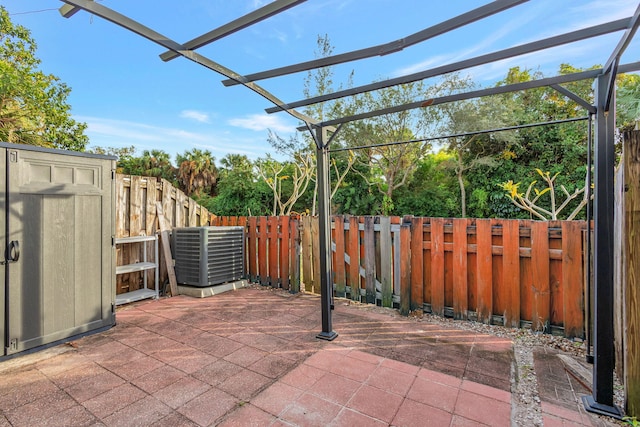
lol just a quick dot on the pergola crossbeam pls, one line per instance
(387, 48)
(497, 90)
(574, 36)
(245, 21)
(146, 32)
(566, 92)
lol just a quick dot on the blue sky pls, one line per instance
(128, 96)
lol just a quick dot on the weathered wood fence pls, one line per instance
(509, 272)
(136, 198)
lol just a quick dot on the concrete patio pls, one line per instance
(250, 358)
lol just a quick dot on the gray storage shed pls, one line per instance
(57, 273)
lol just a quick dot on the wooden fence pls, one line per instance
(136, 198)
(509, 272)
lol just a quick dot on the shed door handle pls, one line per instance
(12, 253)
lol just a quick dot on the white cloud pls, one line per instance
(121, 133)
(262, 122)
(198, 116)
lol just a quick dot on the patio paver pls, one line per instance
(250, 357)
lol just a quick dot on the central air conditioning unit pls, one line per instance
(207, 256)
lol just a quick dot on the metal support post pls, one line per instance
(324, 229)
(601, 402)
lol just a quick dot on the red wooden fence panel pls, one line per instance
(437, 266)
(339, 263)
(511, 271)
(572, 278)
(405, 268)
(540, 269)
(262, 250)
(369, 260)
(285, 249)
(504, 271)
(484, 263)
(417, 265)
(354, 258)
(253, 249)
(460, 281)
(272, 232)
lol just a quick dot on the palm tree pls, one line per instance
(197, 171)
(158, 163)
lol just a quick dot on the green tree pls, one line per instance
(432, 190)
(33, 105)
(474, 151)
(197, 172)
(388, 167)
(239, 190)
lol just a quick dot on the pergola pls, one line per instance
(323, 132)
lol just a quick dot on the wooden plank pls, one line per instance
(252, 243)
(396, 221)
(151, 214)
(632, 271)
(307, 254)
(295, 252)
(262, 251)
(437, 266)
(167, 203)
(386, 270)
(460, 281)
(193, 218)
(369, 260)
(405, 268)
(354, 257)
(285, 252)
(273, 274)
(121, 202)
(135, 201)
(179, 212)
(484, 262)
(417, 265)
(339, 264)
(511, 271)
(315, 257)
(166, 250)
(540, 269)
(573, 313)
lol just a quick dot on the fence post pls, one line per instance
(369, 260)
(405, 268)
(338, 265)
(632, 271)
(386, 270)
(417, 263)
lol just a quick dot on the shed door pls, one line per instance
(60, 213)
(3, 267)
